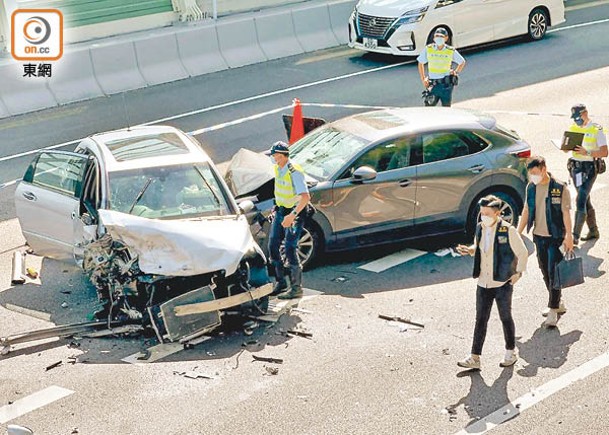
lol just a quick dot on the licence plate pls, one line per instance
(371, 43)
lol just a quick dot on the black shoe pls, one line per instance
(279, 287)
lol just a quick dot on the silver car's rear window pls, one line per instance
(324, 151)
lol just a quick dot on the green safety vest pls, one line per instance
(285, 194)
(589, 143)
(439, 61)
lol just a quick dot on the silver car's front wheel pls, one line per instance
(307, 247)
(538, 24)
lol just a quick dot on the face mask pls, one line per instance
(535, 179)
(579, 121)
(439, 41)
(487, 221)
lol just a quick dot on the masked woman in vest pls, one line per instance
(500, 258)
(583, 167)
(547, 210)
(291, 198)
(439, 58)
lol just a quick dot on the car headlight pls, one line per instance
(413, 16)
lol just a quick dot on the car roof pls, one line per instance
(387, 123)
(147, 146)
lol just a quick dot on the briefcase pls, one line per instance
(570, 272)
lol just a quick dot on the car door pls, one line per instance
(47, 202)
(512, 17)
(450, 163)
(378, 209)
(474, 22)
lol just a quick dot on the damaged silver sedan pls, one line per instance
(146, 214)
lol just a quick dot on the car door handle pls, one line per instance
(476, 169)
(405, 183)
(73, 215)
(29, 196)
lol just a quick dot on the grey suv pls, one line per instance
(399, 174)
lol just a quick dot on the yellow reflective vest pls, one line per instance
(439, 61)
(285, 194)
(589, 143)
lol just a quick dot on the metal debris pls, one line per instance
(64, 305)
(267, 359)
(191, 374)
(301, 310)
(144, 355)
(400, 319)
(272, 370)
(300, 333)
(52, 366)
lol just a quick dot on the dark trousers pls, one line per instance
(548, 256)
(290, 235)
(444, 93)
(484, 303)
(588, 172)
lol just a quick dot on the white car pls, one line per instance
(404, 27)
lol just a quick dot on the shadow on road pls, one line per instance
(483, 399)
(546, 348)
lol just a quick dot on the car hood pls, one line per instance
(248, 170)
(181, 247)
(390, 8)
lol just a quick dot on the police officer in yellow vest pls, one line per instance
(584, 165)
(439, 58)
(291, 199)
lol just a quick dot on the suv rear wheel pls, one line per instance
(538, 24)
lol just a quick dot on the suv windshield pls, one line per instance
(169, 192)
(324, 152)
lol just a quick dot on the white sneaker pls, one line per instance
(552, 319)
(561, 309)
(510, 358)
(470, 362)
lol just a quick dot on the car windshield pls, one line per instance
(169, 192)
(324, 151)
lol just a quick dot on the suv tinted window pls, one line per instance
(496, 138)
(395, 154)
(443, 146)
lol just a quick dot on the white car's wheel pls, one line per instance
(538, 24)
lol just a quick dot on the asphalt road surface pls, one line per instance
(358, 373)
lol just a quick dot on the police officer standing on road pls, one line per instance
(439, 58)
(584, 166)
(500, 258)
(291, 199)
(547, 210)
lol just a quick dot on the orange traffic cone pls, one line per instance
(297, 130)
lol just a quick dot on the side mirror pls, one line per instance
(363, 173)
(246, 206)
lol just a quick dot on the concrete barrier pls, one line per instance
(200, 51)
(4, 113)
(339, 18)
(276, 34)
(239, 42)
(312, 26)
(73, 78)
(115, 67)
(23, 94)
(159, 59)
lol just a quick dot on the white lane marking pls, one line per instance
(28, 312)
(577, 26)
(156, 353)
(238, 121)
(536, 395)
(392, 260)
(586, 5)
(32, 402)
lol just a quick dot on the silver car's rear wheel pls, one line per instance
(538, 24)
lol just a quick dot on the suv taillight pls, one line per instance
(525, 154)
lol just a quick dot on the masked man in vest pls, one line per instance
(291, 198)
(547, 210)
(439, 58)
(500, 258)
(583, 169)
